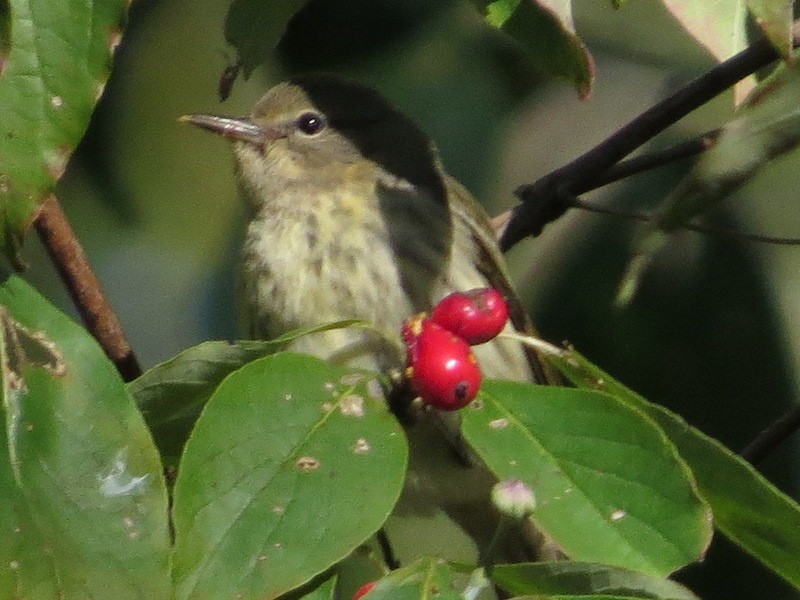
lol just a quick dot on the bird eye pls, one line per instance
(310, 123)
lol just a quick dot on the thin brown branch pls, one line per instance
(726, 232)
(70, 260)
(540, 204)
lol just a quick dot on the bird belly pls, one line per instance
(314, 266)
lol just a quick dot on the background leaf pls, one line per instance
(172, 395)
(292, 464)
(87, 509)
(774, 17)
(757, 516)
(55, 72)
(569, 579)
(766, 126)
(547, 32)
(609, 486)
(254, 28)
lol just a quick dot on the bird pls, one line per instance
(352, 215)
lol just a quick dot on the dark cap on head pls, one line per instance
(382, 134)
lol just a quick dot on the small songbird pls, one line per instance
(352, 216)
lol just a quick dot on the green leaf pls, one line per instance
(766, 126)
(747, 508)
(774, 17)
(255, 27)
(58, 61)
(720, 26)
(609, 486)
(172, 395)
(325, 591)
(425, 578)
(547, 32)
(83, 496)
(292, 464)
(569, 579)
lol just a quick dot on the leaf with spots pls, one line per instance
(609, 485)
(55, 58)
(748, 509)
(83, 507)
(172, 394)
(292, 464)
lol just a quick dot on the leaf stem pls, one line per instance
(70, 260)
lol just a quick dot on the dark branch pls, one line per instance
(70, 260)
(539, 199)
(653, 160)
(773, 436)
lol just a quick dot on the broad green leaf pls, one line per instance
(747, 508)
(59, 57)
(87, 504)
(766, 126)
(255, 27)
(25, 570)
(172, 395)
(292, 464)
(569, 579)
(425, 578)
(546, 30)
(774, 17)
(609, 486)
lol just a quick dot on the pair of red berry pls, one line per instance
(441, 367)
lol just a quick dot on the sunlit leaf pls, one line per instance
(171, 395)
(84, 504)
(747, 508)
(292, 464)
(54, 62)
(609, 486)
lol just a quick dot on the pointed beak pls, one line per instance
(237, 128)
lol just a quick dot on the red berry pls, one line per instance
(477, 316)
(362, 591)
(442, 368)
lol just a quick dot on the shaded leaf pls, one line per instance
(569, 579)
(87, 505)
(747, 508)
(58, 60)
(292, 464)
(425, 578)
(255, 27)
(609, 486)
(766, 126)
(172, 394)
(547, 32)
(774, 17)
